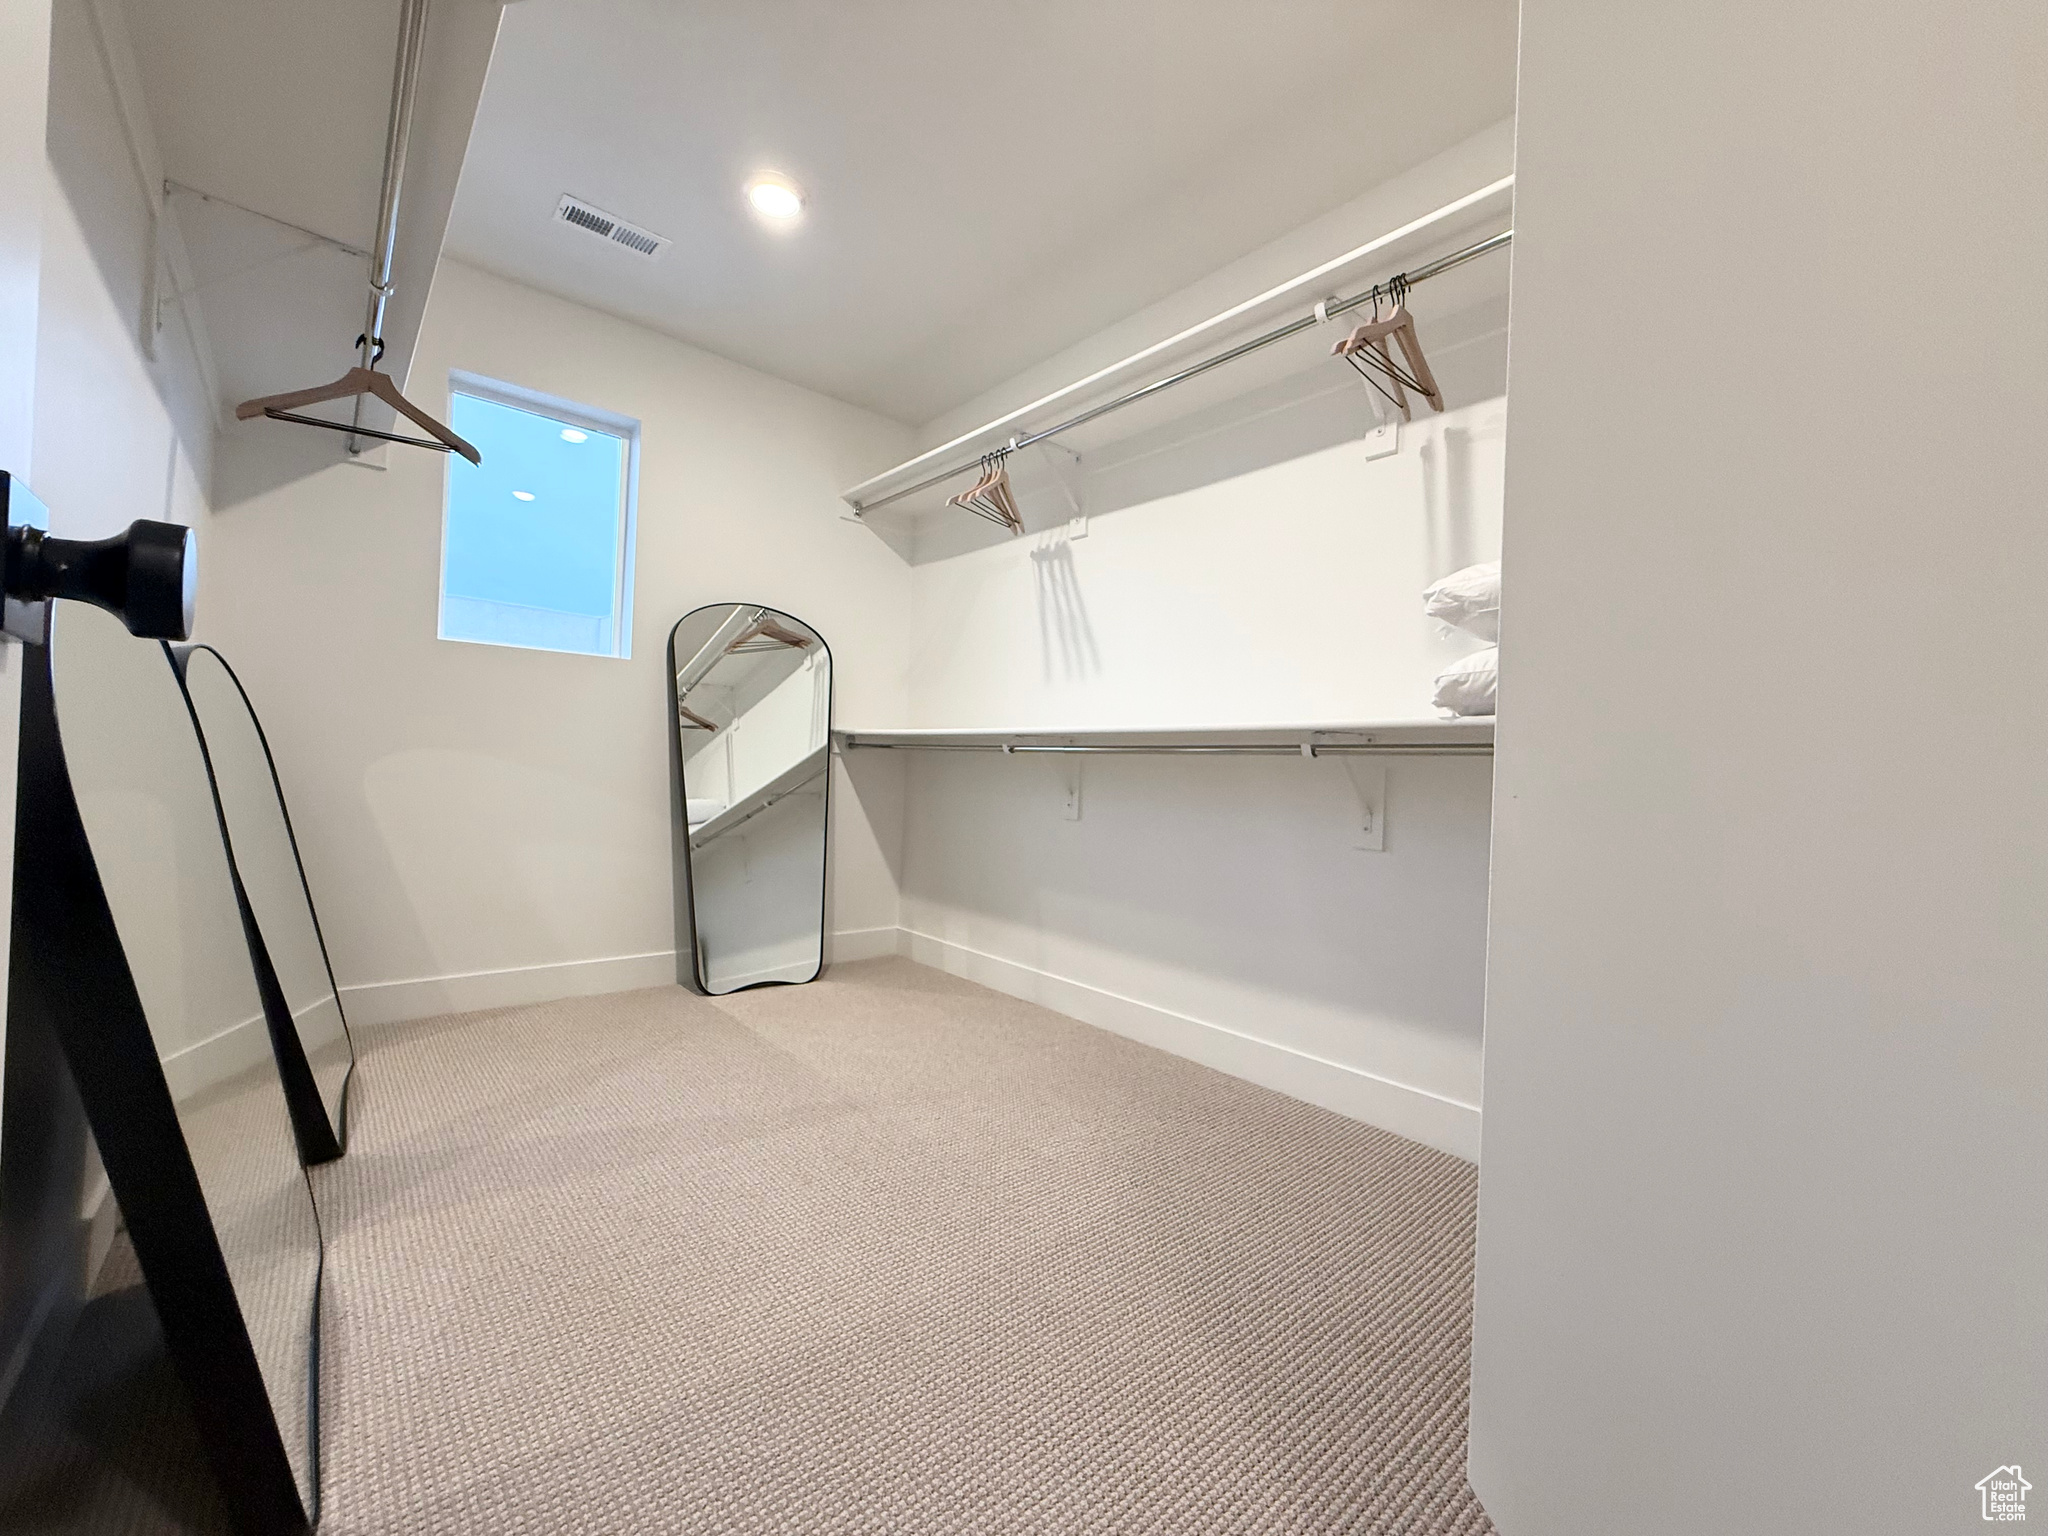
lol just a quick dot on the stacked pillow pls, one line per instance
(1469, 600)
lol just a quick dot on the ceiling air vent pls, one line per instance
(604, 226)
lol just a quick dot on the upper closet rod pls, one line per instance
(1315, 317)
(365, 377)
(405, 77)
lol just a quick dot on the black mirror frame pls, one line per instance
(689, 955)
(321, 1139)
(69, 968)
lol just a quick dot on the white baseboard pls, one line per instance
(1446, 1124)
(863, 944)
(369, 1004)
(217, 1058)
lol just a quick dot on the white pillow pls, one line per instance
(1468, 600)
(1470, 686)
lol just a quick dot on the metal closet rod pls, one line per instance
(1421, 274)
(1246, 749)
(405, 80)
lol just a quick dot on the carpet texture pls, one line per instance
(885, 1253)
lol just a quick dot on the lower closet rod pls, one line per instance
(1272, 749)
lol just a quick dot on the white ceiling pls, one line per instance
(988, 184)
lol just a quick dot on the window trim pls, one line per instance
(625, 554)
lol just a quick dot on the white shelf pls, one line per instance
(785, 783)
(1470, 733)
(1433, 234)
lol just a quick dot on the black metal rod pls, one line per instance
(356, 431)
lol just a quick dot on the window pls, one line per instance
(537, 541)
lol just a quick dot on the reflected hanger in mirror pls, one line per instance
(766, 634)
(1367, 350)
(357, 381)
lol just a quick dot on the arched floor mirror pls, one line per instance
(749, 729)
(129, 947)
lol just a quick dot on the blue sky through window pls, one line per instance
(532, 544)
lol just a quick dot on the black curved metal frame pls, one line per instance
(321, 1138)
(690, 970)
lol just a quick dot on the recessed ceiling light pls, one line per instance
(571, 435)
(522, 495)
(775, 197)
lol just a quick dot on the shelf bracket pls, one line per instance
(1369, 783)
(1065, 466)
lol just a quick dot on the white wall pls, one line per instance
(1284, 596)
(1221, 907)
(119, 434)
(1250, 564)
(483, 824)
(1760, 1242)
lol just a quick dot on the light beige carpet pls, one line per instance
(886, 1253)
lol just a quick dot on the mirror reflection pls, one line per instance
(266, 856)
(752, 711)
(148, 809)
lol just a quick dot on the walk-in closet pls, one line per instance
(1029, 769)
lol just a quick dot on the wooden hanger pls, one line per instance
(364, 379)
(765, 628)
(690, 717)
(1367, 351)
(968, 500)
(989, 497)
(359, 381)
(999, 493)
(1380, 358)
(971, 499)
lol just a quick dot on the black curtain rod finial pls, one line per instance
(147, 577)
